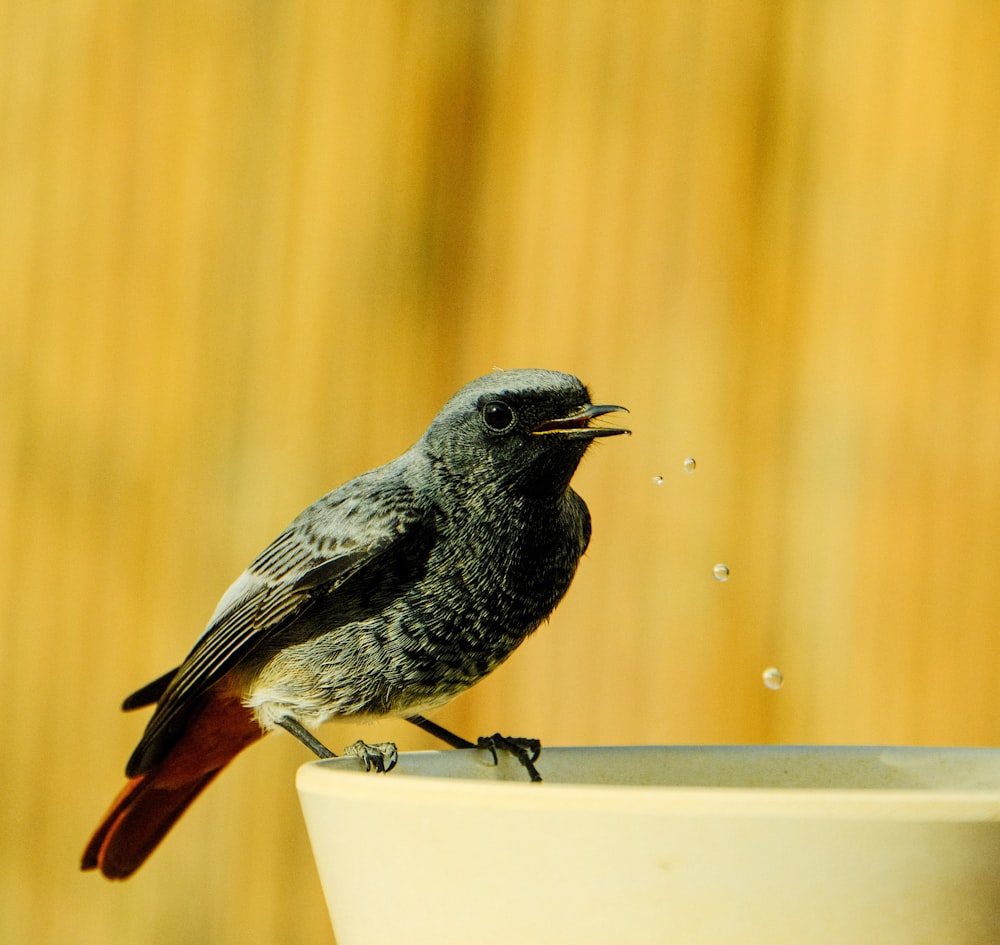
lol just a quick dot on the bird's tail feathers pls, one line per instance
(150, 803)
(138, 820)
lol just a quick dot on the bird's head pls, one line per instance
(524, 430)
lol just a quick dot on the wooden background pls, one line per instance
(247, 249)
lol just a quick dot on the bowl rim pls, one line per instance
(344, 777)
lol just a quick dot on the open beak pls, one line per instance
(577, 424)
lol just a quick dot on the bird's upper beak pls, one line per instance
(577, 424)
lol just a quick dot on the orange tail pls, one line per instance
(150, 804)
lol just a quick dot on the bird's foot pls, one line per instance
(382, 757)
(525, 750)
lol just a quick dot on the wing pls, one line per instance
(342, 534)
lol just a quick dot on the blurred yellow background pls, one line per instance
(247, 249)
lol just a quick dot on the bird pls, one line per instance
(386, 597)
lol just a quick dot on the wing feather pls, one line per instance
(332, 540)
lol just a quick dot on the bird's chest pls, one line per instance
(507, 573)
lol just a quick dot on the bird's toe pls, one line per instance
(381, 757)
(525, 750)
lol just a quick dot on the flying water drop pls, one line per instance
(773, 678)
(657, 480)
(721, 572)
(690, 465)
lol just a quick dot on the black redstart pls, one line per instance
(388, 596)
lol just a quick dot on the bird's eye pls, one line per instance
(498, 417)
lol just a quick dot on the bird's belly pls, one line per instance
(415, 652)
(377, 669)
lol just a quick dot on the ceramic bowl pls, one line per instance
(644, 845)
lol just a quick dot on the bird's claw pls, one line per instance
(525, 750)
(382, 757)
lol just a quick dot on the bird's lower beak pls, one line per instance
(577, 424)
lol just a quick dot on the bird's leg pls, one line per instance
(438, 731)
(525, 750)
(381, 757)
(296, 728)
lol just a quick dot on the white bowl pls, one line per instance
(685, 845)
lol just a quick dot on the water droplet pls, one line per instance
(690, 465)
(721, 572)
(657, 480)
(772, 678)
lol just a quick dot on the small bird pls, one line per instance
(386, 597)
